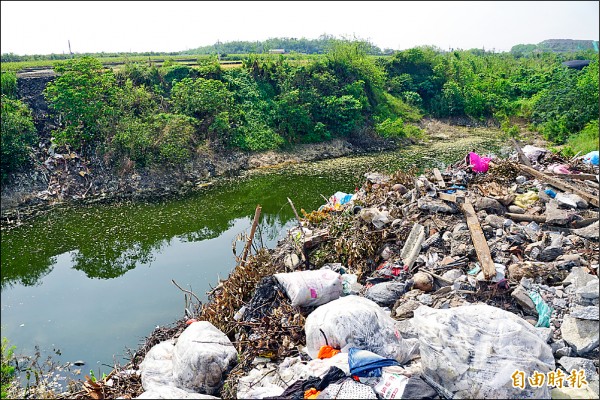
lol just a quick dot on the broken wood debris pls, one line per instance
(481, 246)
(560, 184)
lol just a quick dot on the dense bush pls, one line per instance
(7, 369)
(9, 84)
(584, 141)
(568, 104)
(83, 95)
(18, 135)
(201, 98)
(162, 139)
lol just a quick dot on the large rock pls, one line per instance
(550, 253)
(203, 355)
(588, 294)
(580, 334)
(489, 205)
(406, 308)
(555, 215)
(521, 296)
(385, 294)
(436, 206)
(579, 277)
(589, 312)
(495, 221)
(577, 363)
(589, 232)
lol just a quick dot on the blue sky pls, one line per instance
(46, 27)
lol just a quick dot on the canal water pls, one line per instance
(88, 282)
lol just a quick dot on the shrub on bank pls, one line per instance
(18, 135)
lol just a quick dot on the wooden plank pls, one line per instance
(560, 184)
(439, 178)
(582, 177)
(453, 198)
(448, 197)
(526, 217)
(481, 247)
(522, 157)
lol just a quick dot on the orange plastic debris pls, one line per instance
(327, 352)
(311, 393)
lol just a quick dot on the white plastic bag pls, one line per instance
(171, 392)
(357, 322)
(268, 379)
(391, 386)
(472, 351)
(157, 368)
(311, 288)
(203, 354)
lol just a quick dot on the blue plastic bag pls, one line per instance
(544, 311)
(591, 157)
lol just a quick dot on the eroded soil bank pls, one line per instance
(66, 178)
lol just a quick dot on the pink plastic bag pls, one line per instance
(480, 164)
(559, 169)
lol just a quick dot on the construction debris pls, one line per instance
(494, 273)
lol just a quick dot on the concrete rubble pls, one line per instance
(449, 284)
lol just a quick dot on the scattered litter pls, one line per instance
(444, 283)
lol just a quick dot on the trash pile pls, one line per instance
(477, 281)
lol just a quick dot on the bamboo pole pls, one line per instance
(303, 249)
(252, 230)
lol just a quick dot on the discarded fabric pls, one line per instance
(364, 363)
(526, 200)
(533, 153)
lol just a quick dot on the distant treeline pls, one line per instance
(307, 46)
(321, 45)
(554, 46)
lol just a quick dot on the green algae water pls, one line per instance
(92, 281)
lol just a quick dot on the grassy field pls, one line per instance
(227, 61)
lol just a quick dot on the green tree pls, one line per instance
(83, 96)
